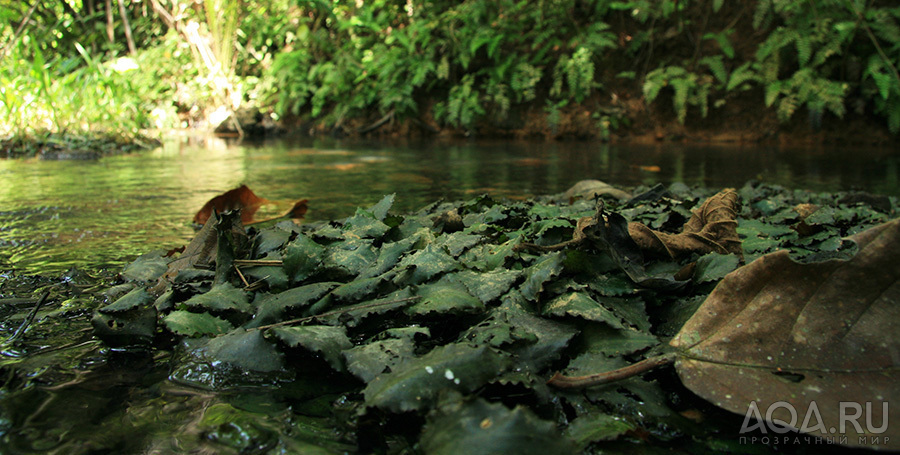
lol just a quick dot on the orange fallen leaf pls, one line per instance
(241, 198)
(645, 168)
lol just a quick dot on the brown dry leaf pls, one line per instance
(712, 228)
(241, 198)
(201, 251)
(820, 334)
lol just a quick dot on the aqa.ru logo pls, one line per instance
(849, 413)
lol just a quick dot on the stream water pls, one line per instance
(64, 392)
(55, 215)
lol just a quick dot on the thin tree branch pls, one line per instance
(132, 49)
(577, 382)
(19, 30)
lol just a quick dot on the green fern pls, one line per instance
(524, 81)
(742, 74)
(716, 67)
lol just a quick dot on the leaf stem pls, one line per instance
(577, 382)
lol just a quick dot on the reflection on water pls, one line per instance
(55, 215)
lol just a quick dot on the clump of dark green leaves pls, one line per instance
(433, 330)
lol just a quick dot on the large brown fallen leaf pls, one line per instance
(712, 228)
(805, 336)
(244, 199)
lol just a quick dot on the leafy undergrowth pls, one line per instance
(436, 331)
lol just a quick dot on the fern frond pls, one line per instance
(741, 74)
(716, 67)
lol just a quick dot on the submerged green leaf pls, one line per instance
(244, 349)
(477, 427)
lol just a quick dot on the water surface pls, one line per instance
(92, 214)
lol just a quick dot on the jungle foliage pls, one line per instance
(476, 60)
(126, 65)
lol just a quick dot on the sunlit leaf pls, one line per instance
(222, 297)
(193, 324)
(138, 297)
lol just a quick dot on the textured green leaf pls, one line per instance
(353, 314)
(357, 289)
(138, 297)
(302, 258)
(364, 225)
(580, 304)
(191, 324)
(426, 263)
(612, 342)
(371, 360)
(350, 256)
(270, 307)
(547, 267)
(714, 267)
(416, 383)
(380, 210)
(388, 256)
(327, 340)
(596, 427)
(486, 286)
(444, 296)
(478, 427)
(222, 297)
(457, 242)
(269, 240)
(147, 267)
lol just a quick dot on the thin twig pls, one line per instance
(253, 262)
(335, 312)
(577, 382)
(29, 319)
(73, 344)
(241, 275)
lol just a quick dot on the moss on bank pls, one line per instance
(62, 146)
